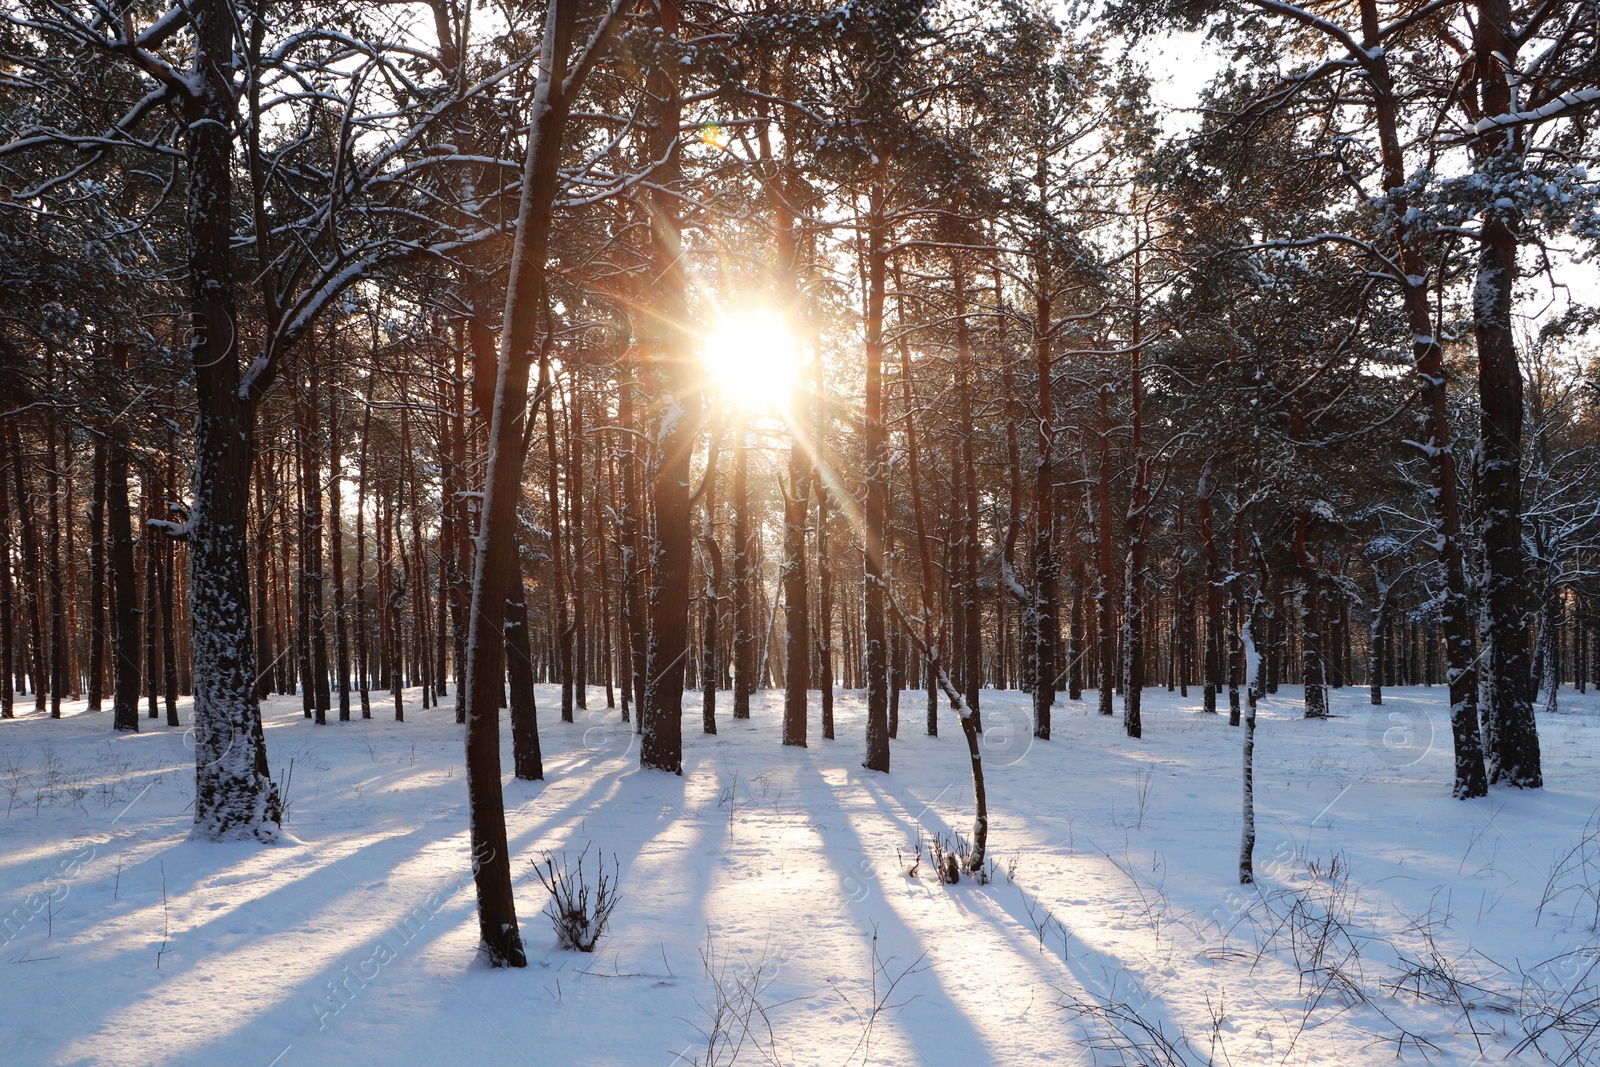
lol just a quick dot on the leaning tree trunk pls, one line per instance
(496, 565)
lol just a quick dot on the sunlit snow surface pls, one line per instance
(353, 941)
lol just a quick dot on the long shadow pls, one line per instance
(953, 1039)
(1105, 978)
(318, 891)
(322, 884)
(640, 822)
(323, 1029)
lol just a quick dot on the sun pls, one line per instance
(752, 358)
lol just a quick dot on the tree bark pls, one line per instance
(1046, 599)
(234, 793)
(875, 470)
(744, 637)
(1471, 779)
(8, 667)
(336, 554)
(1105, 622)
(526, 758)
(677, 396)
(125, 605)
(1512, 739)
(495, 571)
(971, 614)
(1138, 522)
(29, 538)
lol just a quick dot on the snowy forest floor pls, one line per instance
(771, 882)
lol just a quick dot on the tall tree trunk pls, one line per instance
(266, 657)
(125, 604)
(302, 538)
(1471, 779)
(1247, 831)
(824, 638)
(29, 536)
(59, 657)
(336, 554)
(1211, 658)
(526, 759)
(929, 643)
(1311, 617)
(1512, 737)
(677, 397)
(971, 615)
(875, 473)
(363, 637)
(558, 565)
(797, 624)
(1138, 523)
(1105, 622)
(167, 551)
(1008, 550)
(577, 542)
(496, 570)
(1046, 601)
(8, 667)
(311, 553)
(633, 599)
(607, 619)
(711, 556)
(234, 793)
(421, 659)
(796, 645)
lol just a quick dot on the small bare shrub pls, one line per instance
(578, 910)
(952, 855)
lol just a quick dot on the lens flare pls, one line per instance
(752, 358)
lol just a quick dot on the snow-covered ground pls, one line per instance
(771, 882)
